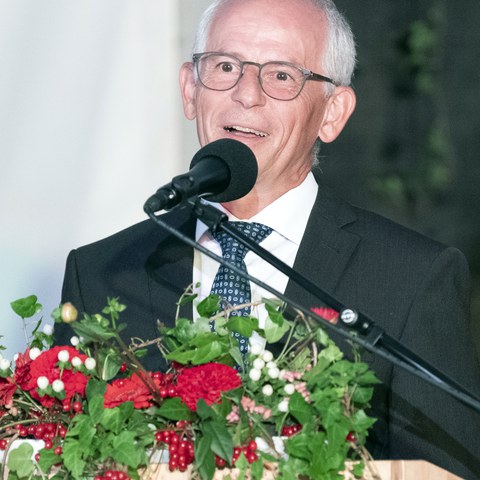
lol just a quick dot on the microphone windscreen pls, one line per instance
(241, 162)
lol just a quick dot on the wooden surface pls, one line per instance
(384, 470)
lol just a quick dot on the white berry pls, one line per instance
(48, 329)
(90, 363)
(58, 386)
(63, 356)
(267, 356)
(42, 383)
(289, 388)
(255, 374)
(34, 353)
(258, 363)
(273, 372)
(76, 362)
(267, 390)
(74, 340)
(256, 349)
(4, 364)
(283, 406)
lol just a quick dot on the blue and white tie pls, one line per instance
(233, 288)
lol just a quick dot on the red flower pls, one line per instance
(206, 381)
(22, 369)
(46, 365)
(328, 314)
(7, 389)
(132, 389)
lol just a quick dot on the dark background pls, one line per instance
(411, 150)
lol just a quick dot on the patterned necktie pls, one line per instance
(233, 288)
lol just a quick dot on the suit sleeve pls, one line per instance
(426, 422)
(71, 292)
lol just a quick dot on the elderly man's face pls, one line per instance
(280, 133)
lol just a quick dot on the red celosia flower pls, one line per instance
(7, 389)
(46, 365)
(328, 314)
(206, 381)
(132, 389)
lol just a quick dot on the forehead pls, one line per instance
(263, 30)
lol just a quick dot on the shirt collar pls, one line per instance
(287, 215)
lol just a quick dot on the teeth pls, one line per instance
(236, 128)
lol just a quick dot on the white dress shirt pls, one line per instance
(287, 216)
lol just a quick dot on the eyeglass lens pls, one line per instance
(279, 80)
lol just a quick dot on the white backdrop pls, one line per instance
(90, 125)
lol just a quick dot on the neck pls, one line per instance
(256, 200)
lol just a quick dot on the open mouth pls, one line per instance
(248, 131)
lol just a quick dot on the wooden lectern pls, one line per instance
(384, 470)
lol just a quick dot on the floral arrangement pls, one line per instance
(99, 414)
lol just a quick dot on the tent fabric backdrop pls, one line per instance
(90, 115)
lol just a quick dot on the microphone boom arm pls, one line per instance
(374, 338)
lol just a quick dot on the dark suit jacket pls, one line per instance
(414, 288)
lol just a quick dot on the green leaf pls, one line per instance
(26, 307)
(274, 331)
(245, 326)
(20, 460)
(204, 411)
(175, 409)
(126, 451)
(222, 443)
(48, 459)
(92, 331)
(300, 409)
(113, 419)
(204, 457)
(209, 306)
(72, 457)
(95, 392)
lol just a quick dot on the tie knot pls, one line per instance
(231, 247)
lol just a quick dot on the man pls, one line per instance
(275, 74)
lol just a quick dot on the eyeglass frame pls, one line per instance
(307, 74)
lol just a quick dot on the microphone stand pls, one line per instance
(372, 338)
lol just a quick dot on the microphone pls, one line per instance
(221, 171)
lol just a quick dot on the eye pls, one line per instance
(226, 67)
(282, 76)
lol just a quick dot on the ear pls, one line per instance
(340, 106)
(188, 90)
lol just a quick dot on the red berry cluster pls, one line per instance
(112, 475)
(289, 430)
(46, 431)
(180, 449)
(250, 452)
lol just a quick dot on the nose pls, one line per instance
(248, 90)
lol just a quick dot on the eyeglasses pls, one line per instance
(279, 80)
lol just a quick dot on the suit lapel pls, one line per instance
(169, 268)
(326, 248)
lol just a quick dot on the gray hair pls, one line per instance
(339, 57)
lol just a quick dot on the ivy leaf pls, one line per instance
(209, 306)
(300, 409)
(72, 457)
(48, 459)
(175, 409)
(26, 307)
(20, 461)
(245, 326)
(95, 392)
(125, 450)
(275, 331)
(112, 419)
